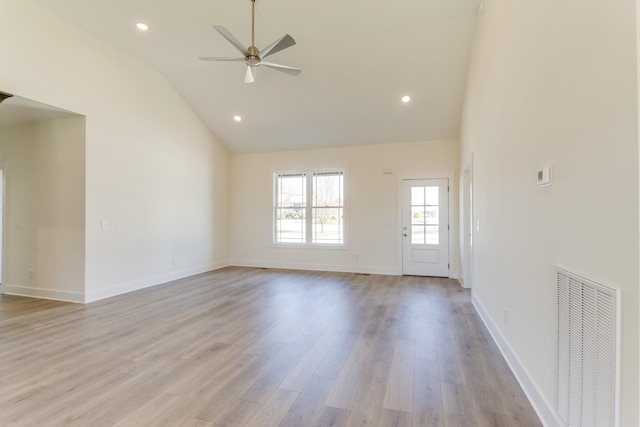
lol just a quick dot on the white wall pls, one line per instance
(372, 198)
(152, 168)
(45, 230)
(554, 83)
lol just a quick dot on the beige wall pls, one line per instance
(43, 166)
(372, 198)
(152, 168)
(554, 84)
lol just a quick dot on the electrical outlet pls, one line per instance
(174, 261)
(32, 273)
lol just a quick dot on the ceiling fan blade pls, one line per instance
(289, 70)
(282, 43)
(217, 58)
(230, 37)
(250, 77)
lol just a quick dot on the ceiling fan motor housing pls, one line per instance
(253, 58)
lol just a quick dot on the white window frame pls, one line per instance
(308, 174)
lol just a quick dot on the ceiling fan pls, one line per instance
(251, 55)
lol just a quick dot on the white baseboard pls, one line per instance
(388, 271)
(543, 408)
(26, 291)
(151, 281)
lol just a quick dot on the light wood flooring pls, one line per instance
(257, 348)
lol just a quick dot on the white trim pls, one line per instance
(543, 408)
(466, 207)
(25, 291)
(151, 281)
(452, 227)
(4, 169)
(79, 297)
(363, 269)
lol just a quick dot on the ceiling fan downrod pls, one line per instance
(253, 20)
(253, 58)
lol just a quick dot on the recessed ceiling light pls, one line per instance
(142, 26)
(237, 118)
(406, 99)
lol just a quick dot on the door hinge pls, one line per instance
(448, 266)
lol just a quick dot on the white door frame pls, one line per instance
(3, 220)
(466, 227)
(452, 228)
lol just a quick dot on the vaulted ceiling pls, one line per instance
(358, 60)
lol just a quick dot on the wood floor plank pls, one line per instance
(460, 408)
(309, 404)
(274, 410)
(391, 418)
(305, 369)
(331, 417)
(399, 392)
(194, 422)
(367, 406)
(351, 376)
(149, 410)
(237, 414)
(428, 409)
(253, 347)
(275, 374)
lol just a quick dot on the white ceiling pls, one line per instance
(358, 59)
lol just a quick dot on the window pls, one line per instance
(309, 207)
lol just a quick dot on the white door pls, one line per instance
(425, 227)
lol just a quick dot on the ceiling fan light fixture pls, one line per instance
(142, 26)
(252, 61)
(237, 118)
(406, 99)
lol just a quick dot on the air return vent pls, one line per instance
(586, 352)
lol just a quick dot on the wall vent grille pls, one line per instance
(586, 352)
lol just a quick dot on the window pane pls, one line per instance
(432, 197)
(417, 196)
(328, 207)
(432, 235)
(291, 196)
(291, 191)
(417, 215)
(291, 231)
(328, 225)
(431, 215)
(417, 235)
(327, 189)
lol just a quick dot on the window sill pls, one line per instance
(309, 246)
